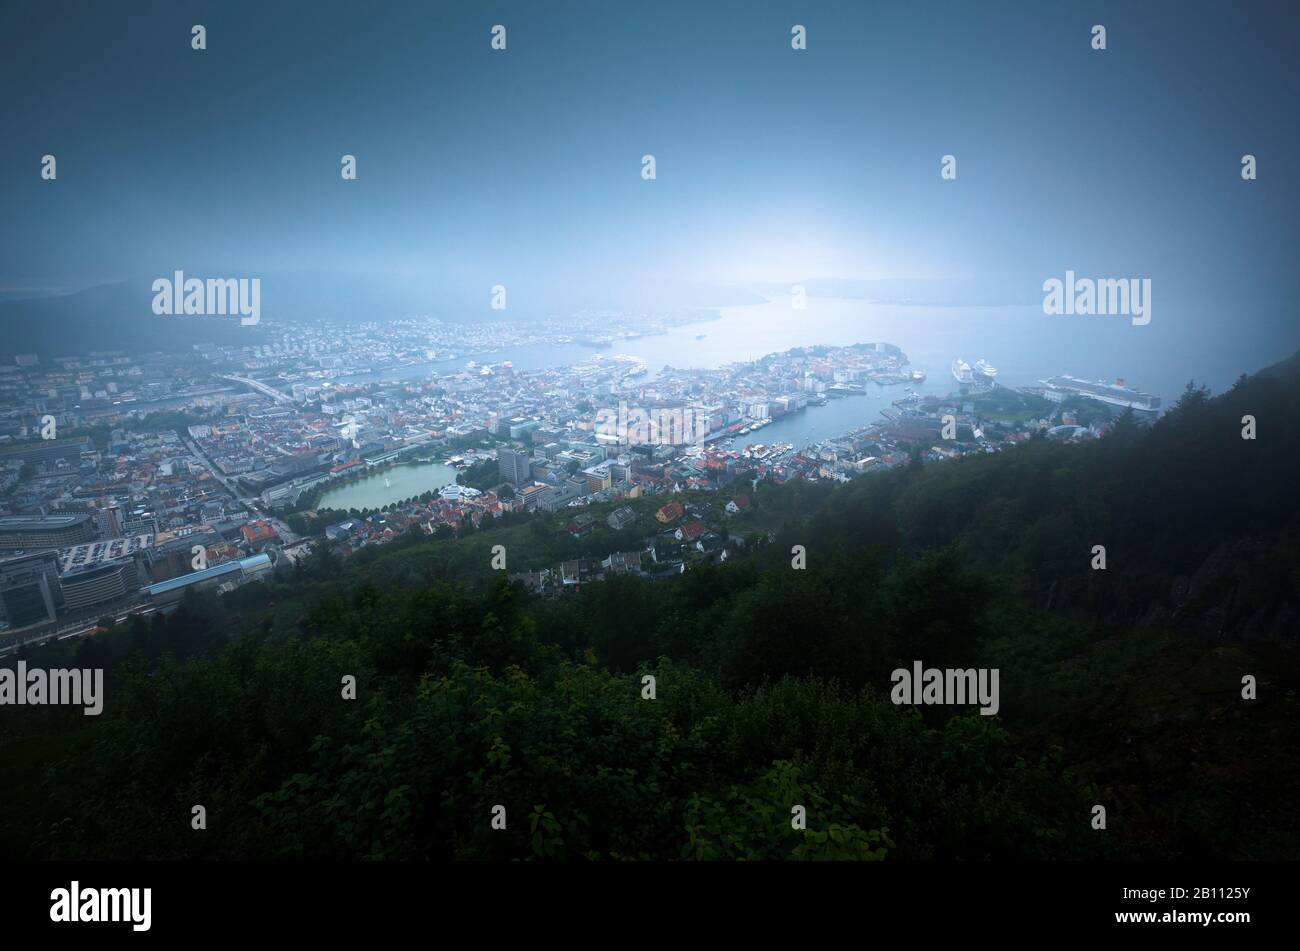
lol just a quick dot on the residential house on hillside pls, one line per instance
(581, 524)
(670, 512)
(535, 581)
(621, 518)
(709, 542)
(623, 562)
(691, 531)
(666, 547)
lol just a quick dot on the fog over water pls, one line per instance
(1022, 342)
(1026, 345)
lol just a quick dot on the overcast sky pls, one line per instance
(524, 166)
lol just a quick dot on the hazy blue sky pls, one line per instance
(523, 167)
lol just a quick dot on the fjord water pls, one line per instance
(1026, 345)
(1182, 342)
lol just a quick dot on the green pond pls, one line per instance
(390, 485)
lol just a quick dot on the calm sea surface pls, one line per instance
(1024, 344)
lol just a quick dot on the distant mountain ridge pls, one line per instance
(120, 316)
(108, 317)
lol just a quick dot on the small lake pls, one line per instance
(390, 485)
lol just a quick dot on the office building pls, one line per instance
(514, 466)
(27, 532)
(29, 589)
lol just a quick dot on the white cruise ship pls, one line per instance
(984, 369)
(1058, 388)
(961, 372)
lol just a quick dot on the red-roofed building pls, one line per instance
(257, 533)
(670, 512)
(691, 531)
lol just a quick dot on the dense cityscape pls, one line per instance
(126, 480)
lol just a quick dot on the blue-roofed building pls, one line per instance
(237, 572)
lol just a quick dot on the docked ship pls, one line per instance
(962, 373)
(984, 371)
(1116, 394)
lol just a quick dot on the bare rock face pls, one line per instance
(1220, 600)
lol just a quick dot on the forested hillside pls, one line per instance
(1120, 687)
